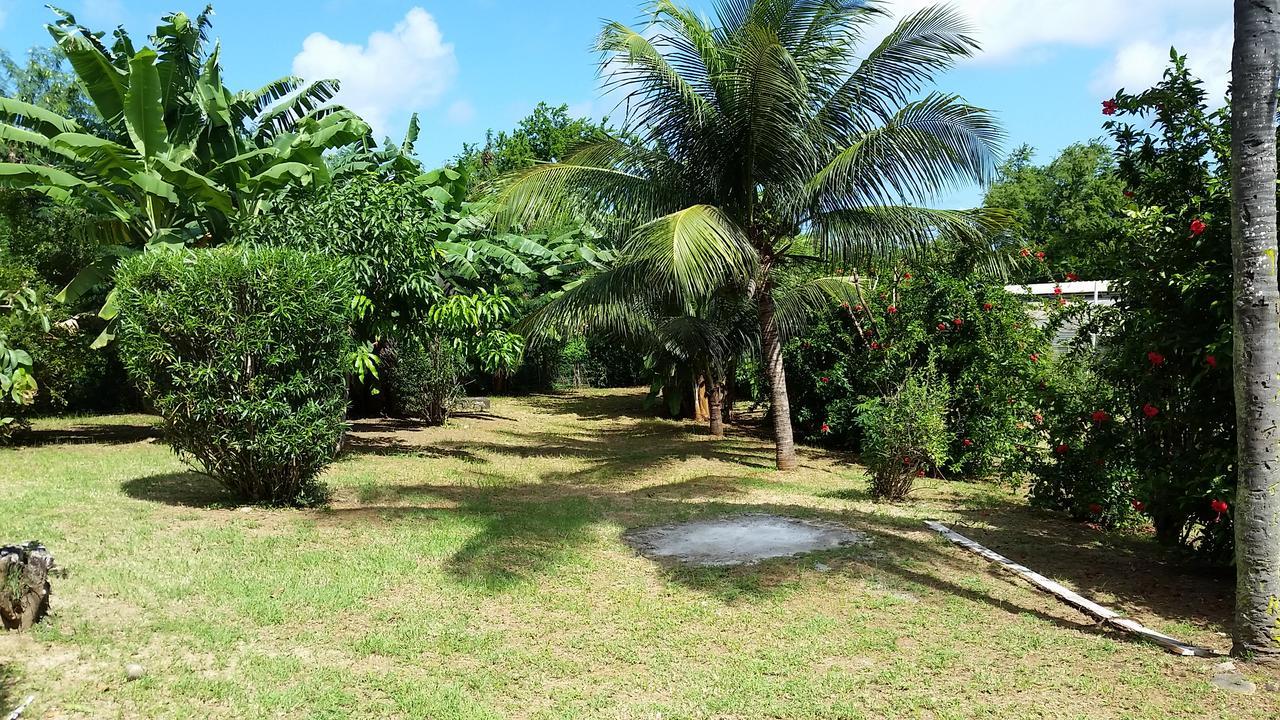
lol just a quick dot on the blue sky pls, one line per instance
(469, 65)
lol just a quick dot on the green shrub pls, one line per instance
(904, 434)
(242, 355)
(943, 310)
(424, 380)
(1162, 366)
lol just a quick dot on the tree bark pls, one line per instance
(780, 404)
(1255, 72)
(715, 398)
(24, 585)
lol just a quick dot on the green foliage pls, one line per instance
(424, 380)
(385, 231)
(177, 156)
(1164, 350)
(20, 303)
(940, 311)
(548, 134)
(241, 352)
(1070, 210)
(44, 81)
(905, 433)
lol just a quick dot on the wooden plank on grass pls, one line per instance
(1074, 599)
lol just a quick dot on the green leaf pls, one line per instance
(104, 82)
(143, 110)
(35, 118)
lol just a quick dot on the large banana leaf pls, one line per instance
(34, 118)
(143, 112)
(105, 83)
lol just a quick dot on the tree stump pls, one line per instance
(24, 585)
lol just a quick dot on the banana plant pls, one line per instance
(179, 156)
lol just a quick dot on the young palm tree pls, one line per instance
(746, 134)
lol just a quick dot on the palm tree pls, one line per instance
(745, 135)
(1255, 66)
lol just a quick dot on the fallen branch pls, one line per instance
(1104, 614)
(17, 712)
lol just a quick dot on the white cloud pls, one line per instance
(1008, 28)
(1136, 34)
(1138, 65)
(461, 112)
(409, 67)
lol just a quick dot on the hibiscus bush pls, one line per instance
(940, 310)
(1161, 367)
(905, 433)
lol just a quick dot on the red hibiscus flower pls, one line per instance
(1095, 509)
(1211, 361)
(987, 306)
(1156, 358)
(1062, 301)
(893, 309)
(1040, 256)
(906, 276)
(1109, 107)
(1150, 410)
(826, 428)
(967, 442)
(958, 322)
(942, 326)
(1038, 417)
(1219, 506)
(906, 460)
(825, 379)
(1035, 357)
(1101, 416)
(1072, 277)
(1062, 449)
(1138, 505)
(1128, 193)
(857, 308)
(919, 473)
(844, 305)
(875, 346)
(1198, 226)
(1057, 290)
(1024, 252)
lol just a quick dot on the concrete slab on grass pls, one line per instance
(740, 539)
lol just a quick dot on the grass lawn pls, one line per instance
(476, 571)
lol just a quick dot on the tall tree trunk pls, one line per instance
(1255, 72)
(780, 405)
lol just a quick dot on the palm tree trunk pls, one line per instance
(715, 398)
(780, 405)
(1255, 71)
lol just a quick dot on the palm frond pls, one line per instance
(694, 249)
(929, 146)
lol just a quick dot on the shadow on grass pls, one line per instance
(183, 489)
(528, 529)
(8, 689)
(121, 433)
(1125, 569)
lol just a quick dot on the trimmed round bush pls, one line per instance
(242, 353)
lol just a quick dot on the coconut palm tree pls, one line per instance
(745, 135)
(1255, 64)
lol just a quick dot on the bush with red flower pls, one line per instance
(951, 314)
(1170, 441)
